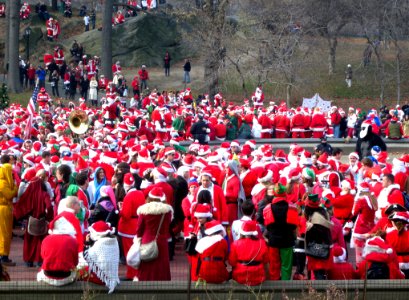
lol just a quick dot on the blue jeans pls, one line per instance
(186, 77)
(336, 131)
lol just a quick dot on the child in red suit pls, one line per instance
(378, 253)
(248, 256)
(341, 269)
(212, 250)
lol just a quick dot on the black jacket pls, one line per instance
(280, 234)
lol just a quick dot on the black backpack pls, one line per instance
(378, 270)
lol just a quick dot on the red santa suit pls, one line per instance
(266, 125)
(282, 126)
(102, 83)
(365, 213)
(49, 24)
(212, 252)
(258, 98)
(220, 131)
(119, 18)
(231, 189)
(342, 206)
(25, 11)
(297, 125)
(187, 204)
(60, 255)
(116, 68)
(48, 58)
(56, 29)
(341, 270)
(247, 258)
(127, 225)
(91, 69)
(42, 99)
(166, 187)
(249, 180)
(318, 125)
(59, 56)
(399, 241)
(388, 196)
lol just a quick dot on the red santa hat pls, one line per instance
(157, 193)
(235, 143)
(29, 159)
(349, 184)
(249, 228)
(129, 179)
(364, 187)
(265, 176)
(134, 168)
(203, 150)
(225, 145)
(188, 160)
(323, 159)
(206, 171)
(110, 158)
(353, 154)
(144, 155)
(340, 255)
(294, 174)
(244, 163)
(213, 157)
(200, 163)
(252, 144)
(168, 150)
(82, 165)
(214, 226)
(167, 167)
(203, 211)
(100, 229)
(377, 250)
(268, 156)
(160, 173)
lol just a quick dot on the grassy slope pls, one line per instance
(364, 93)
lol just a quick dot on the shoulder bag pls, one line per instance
(150, 251)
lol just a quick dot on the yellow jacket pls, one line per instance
(8, 190)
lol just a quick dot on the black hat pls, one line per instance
(394, 208)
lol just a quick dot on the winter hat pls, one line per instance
(353, 154)
(340, 254)
(29, 159)
(129, 179)
(251, 143)
(157, 193)
(308, 173)
(160, 173)
(100, 229)
(168, 150)
(400, 216)
(343, 168)
(249, 228)
(323, 159)
(364, 187)
(244, 163)
(203, 211)
(279, 189)
(375, 150)
(188, 160)
(235, 143)
(377, 250)
(265, 176)
(214, 226)
(294, 174)
(394, 208)
(313, 201)
(349, 184)
(134, 168)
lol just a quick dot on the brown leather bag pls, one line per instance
(37, 227)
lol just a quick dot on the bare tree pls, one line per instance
(54, 4)
(327, 18)
(13, 79)
(106, 39)
(6, 44)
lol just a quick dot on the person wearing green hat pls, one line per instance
(281, 220)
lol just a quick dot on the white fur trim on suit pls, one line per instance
(41, 277)
(215, 229)
(207, 242)
(342, 258)
(154, 208)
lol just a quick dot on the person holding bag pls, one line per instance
(152, 233)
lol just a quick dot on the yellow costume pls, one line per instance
(8, 190)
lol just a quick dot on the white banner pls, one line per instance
(317, 101)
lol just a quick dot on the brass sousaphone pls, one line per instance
(78, 121)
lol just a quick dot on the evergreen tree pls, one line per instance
(4, 97)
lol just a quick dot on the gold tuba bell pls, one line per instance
(78, 121)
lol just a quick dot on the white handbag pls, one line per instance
(133, 258)
(150, 251)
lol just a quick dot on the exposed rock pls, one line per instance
(140, 40)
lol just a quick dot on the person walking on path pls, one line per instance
(348, 76)
(86, 22)
(143, 77)
(166, 62)
(186, 68)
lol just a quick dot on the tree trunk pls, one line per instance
(216, 52)
(332, 43)
(398, 79)
(54, 5)
(7, 42)
(381, 68)
(13, 79)
(106, 43)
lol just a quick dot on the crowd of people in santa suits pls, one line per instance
(114, 184)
